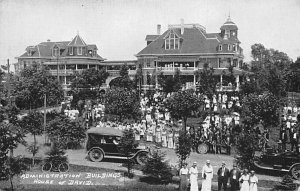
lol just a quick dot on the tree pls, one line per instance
(183, 150)
(10, 137)
(170, 83)
(206, 80)
(260, 108)
(127, 145)
(182, 104)
(33, 124)
(246, 145)
(86, 84)
(122, 102)
(69, 133)
(158, 168)
(32, 85)
(124, 80)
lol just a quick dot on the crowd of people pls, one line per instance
(238, 180)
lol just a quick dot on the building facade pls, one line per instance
(62, 58)
(187, 47)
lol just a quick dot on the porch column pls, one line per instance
(237, 79)
(194, 65)
(76, 67)
(156, 80)
(65, 73)
(65, 80)
(88, 66)
(221, 81)
(194, 81)
(173, 66)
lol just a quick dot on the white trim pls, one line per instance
(79, 48)
(220, 47)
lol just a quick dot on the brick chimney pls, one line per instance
(158, 29)
(181, 26)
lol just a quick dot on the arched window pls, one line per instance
(55, 51)
(172, 41)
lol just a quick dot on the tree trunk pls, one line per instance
(184, 124)
(34, 146)
(11, 183)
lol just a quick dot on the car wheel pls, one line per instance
(142, 158)
(96, 155)
(202, 148)
(295, 171)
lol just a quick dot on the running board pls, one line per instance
(117, 157)
(269, 168)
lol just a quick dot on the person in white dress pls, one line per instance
(207, 175)
(253, 180)
(244, 180)
(194, 177)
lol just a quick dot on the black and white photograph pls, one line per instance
(145, 95)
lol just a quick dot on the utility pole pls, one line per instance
(45, 105)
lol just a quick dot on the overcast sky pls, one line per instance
(119, 27)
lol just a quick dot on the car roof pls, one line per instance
(105, 131)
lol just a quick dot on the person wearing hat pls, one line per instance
(183, 173)
(244, 180)
(207, 175)
(234, 177)
(194, 177)
(253, 180)
(223, 175)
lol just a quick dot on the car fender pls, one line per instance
(96, 148)
(140, 151)
(293, 166)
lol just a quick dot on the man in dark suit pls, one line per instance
(223, 175)
(234, 177)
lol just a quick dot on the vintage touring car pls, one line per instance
(103, 143)
(284, 162)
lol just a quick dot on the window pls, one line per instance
(56, 51)
(234, 47)
(220, 47)
(219, 62)
(148, 64)
(94, 52)
(229, 47)
(71, 50)
(227, 33)
(79, 51)
(172, 41)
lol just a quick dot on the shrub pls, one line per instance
(286, 184)
(183, 150)
(157, 168)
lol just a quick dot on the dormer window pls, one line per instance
(220, 47)
(172, 41)
(94, 52)
(71, 50)
(56, 51)
(79, 51)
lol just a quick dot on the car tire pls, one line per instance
(295, 171)
(202, 148)
(96, 155)
(141, 158)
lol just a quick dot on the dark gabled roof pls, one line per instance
(77, 41)
(92, 47)
(105, 131)
(151, 37)
(194, 40)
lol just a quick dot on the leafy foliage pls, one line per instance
(34, 82)
(206, 80)
(127, 145)
(158, 168)
(260, 108)
(69, 133)
(170, 83)
(182, 103)
(287, 183)
(122, 102)
(246, 145)
(185, 144)
(33, 124)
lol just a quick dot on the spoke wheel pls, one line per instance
(63, 167)
(295, 171)
(142, 158)
(202, 148)
(96, 155)
(47, 167)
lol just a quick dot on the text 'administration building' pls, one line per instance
(187, 47)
